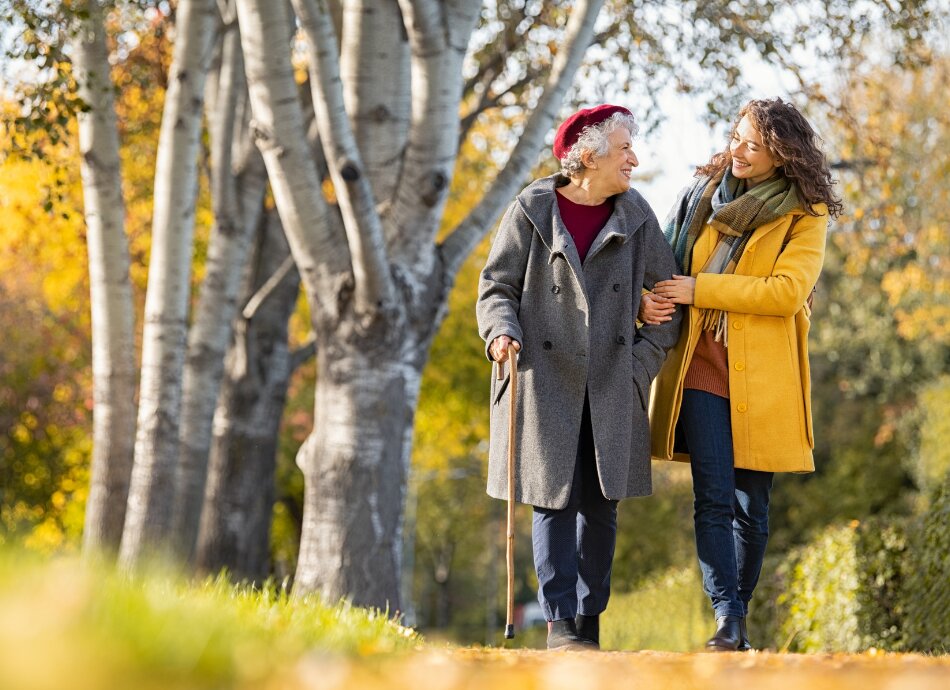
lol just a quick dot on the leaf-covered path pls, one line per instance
(538, 670)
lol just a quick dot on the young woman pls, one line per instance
(732, 399)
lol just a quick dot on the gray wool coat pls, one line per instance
(577, 328)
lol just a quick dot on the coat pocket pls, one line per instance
(802, 326)
(500, 388)
(643, 393)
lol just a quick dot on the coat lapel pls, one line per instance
(613, 229)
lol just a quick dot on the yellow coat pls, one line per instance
(769, 379)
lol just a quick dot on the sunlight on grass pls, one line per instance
(67, 625)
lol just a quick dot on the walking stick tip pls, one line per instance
(509, 632)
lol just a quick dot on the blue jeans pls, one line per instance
(574, 546)
(731, 505)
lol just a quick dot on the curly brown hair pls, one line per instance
(791, 141)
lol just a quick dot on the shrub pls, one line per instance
(768, 609)
(881, 584)
(841, 592)
(667, 612)
(926, 595)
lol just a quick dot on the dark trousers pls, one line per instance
(574, 546)
(731, 505)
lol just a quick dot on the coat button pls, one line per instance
(556, 289)
(621, 340)
(741, 407)
(737, 325)
(616, 287)
(547, 345)
(740, 366)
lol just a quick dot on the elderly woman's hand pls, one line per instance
(654, 309)
(499, 347)
(680, 289)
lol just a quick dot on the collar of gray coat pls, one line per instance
(539, 202)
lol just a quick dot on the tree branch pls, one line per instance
(323, 261)
(464, 238)
(491, 58)
(267, 289)
(373, 281)
(299, 356)
(490, 100)
(438, 37)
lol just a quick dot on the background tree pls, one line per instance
(113, 321)
(882, 315)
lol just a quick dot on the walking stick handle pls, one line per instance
(510, 551)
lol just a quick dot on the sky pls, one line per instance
(670, 153)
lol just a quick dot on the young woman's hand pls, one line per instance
(654, 309)
(679, 290)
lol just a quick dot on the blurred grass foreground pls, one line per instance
(64, 624)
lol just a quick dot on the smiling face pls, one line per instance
(611, 172)
(751, 159)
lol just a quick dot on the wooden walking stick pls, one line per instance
(510, 552)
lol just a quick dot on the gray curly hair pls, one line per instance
(594, 138)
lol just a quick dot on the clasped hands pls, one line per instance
(658, 306)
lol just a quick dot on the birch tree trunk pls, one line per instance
(113, 340)
(238, 183)
(375, 318)
(235, 523)
(151, 494)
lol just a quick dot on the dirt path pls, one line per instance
(536, 670)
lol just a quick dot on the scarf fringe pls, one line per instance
(717, 321)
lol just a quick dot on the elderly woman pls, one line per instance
(562, 285)
(733, 398)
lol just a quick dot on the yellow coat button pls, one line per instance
(741, 407)
(740, 366)
(737, 325)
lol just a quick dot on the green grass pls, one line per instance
(69, 625)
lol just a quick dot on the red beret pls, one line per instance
(570, 130)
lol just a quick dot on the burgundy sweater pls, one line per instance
(584, 222)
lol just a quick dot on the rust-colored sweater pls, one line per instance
(709, 368)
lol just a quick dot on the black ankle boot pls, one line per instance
(728, 635)
(562, 634)
(744, 644)
(588, 628)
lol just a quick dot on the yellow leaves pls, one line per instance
(919, 291)
(46, 538)
(21, 434)
(62, 393)
(329, 193)
(897, 283)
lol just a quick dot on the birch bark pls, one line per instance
(237, 187)
(151, 494)
(235, 523)
(113, 340)
(374, 66)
